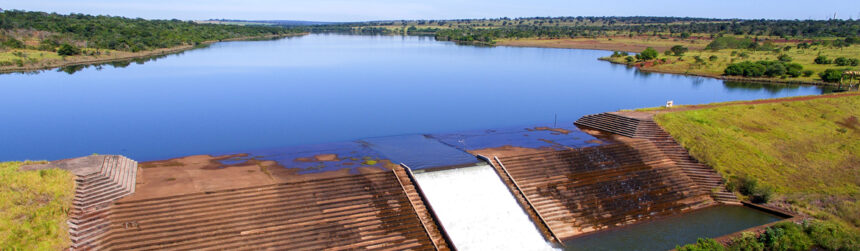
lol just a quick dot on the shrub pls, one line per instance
(713, 58)
(832, 236)
(784, 58)
(823, 60)
(629, 59)
(762, 68)
(747, 242)
(68, 50)
(618, 54)
(793, 70)
(744, 55)
(702, 245)
(831, 75)
(774, 70)
(13, 43)
(758, 193)
(678, 50)
(786, 236)
(648, 54)
(841, 61)
(854, 62)
(808, 73)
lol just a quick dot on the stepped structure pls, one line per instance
(642, 126)
(364, 211)
(100, 180)
(375, 209)
(582, 190)
(642, 175)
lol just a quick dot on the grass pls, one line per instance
(805, 57)
(45, 59)
(807, 151)
(630, 44)
(33, 207)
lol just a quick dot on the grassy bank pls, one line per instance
(713, 63)
(33, 208)
(807, 152)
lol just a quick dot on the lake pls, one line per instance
(319, 88)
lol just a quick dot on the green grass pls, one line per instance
(33, 207)
(808, 151)
(804, 57)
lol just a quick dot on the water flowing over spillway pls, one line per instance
(478, 211)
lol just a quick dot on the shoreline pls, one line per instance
(729, 78)
(137, 55)
(585, 45)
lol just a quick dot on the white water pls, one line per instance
(478, 210)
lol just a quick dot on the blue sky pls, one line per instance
(345, 10)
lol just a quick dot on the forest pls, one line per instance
(51, 32)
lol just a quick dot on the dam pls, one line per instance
(606, 181)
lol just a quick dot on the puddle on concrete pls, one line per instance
(419, 151)
(525, 137)
(321, 157)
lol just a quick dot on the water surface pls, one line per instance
(665, 234)
(247, 95)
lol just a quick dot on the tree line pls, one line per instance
(716, 28)
(117, 33)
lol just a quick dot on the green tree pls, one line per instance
(648, 54)
(784, 58)
(842, 61)
(831, 75)
(68, 50)
(821, 59)
(679, 50)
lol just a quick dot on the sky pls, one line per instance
(368, 10)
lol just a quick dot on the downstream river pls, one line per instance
(247, 95)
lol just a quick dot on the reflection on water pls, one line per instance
(319, 88)
(665, 234)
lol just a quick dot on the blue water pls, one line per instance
(419, 151)
(667, 233)
(238, 96)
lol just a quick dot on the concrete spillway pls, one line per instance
(478, 211)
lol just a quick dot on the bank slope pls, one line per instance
(807, 151)
(33, 207)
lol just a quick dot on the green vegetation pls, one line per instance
(702, 245)
(785, 61)
(119, 33)
(801, 153)
(648, 54)
(764, 68)
(47, 39)
(788, 236)
(33, 207)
